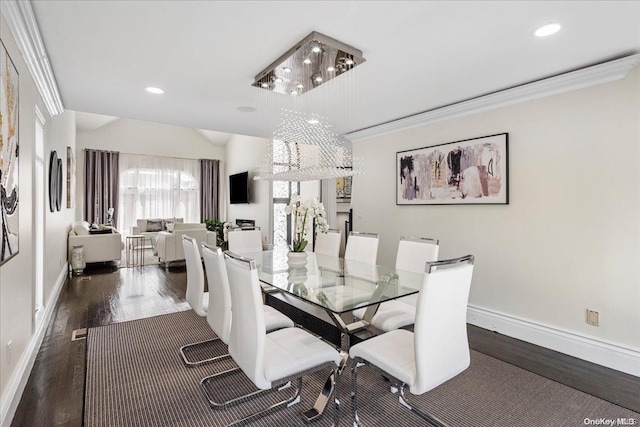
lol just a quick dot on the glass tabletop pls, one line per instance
(335, 284)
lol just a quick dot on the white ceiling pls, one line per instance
(420, 55)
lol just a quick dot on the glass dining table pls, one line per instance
(338, 286)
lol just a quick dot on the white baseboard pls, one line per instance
(20, 376)
(603, 353)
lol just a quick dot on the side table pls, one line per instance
(135, 250)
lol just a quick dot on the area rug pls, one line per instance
(135, 377)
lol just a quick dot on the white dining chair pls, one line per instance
(197, 298)
(362, 247)
(328, 243)
(245, 241)
(436, 351)
(219, 316)
(413, 254)
(272, 359)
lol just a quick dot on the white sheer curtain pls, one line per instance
(158, 187)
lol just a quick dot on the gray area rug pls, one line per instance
(135, 377)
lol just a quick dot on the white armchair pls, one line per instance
(170, 244)
(96, 247)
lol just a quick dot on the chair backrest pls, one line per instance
(415, 252)
(248, 333)
(195, 275)
(244, 241)
(328, 243)
(441, 323)
(219, 312)
(362, 247)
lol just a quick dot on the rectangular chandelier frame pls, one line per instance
(312, 62)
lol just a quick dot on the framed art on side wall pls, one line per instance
(469, 172)
(9, 152)
(71, 178)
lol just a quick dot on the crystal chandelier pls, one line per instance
(304, 149)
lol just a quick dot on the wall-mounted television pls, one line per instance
(239, 188)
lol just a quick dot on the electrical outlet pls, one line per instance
(9, 352)
(593, 317)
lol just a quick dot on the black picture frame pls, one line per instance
(53, 180)
(471, 171)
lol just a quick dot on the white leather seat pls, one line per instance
(362, 247)
(437, 350)
(328, 243)
(245, 241)
(270, 358)
(413, 254)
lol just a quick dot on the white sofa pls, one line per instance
(152, 226)
(170, 244)
(96, 247)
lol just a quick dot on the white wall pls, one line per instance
(141, 137)
(17, 323)
(569, 239)
(245, 153)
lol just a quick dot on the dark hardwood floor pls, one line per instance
(54, 394)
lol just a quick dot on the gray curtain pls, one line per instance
(209, 188)
(101, 179)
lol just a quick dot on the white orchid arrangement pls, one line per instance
(301, 212)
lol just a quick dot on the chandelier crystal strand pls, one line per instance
(310, 150)
(305, 145)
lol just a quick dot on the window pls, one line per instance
(158, 187)
(282, 191)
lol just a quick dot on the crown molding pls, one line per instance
(590, 76)
(22, 23)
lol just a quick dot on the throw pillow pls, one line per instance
(154, 225)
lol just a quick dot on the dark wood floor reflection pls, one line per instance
(54, 394)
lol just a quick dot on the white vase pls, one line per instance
(296, 259)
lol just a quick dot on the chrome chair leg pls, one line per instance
(434, 421)
(200, 362)
(218, 405)
(288, 402)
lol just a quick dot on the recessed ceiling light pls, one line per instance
(319, 79)
(331, 69)
(300, 86)
(286, 69)
(316, 49)
(278, 79)
(155, 90)
(294, 92)
(265, 85)
(547, 30)
(349, 61)
(313, 121)
(307, 61)
(246, 109)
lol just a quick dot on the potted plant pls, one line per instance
(302, 213)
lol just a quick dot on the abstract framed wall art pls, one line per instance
(343, 188)
(9, 151)
(469, 172)
(71, 178)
